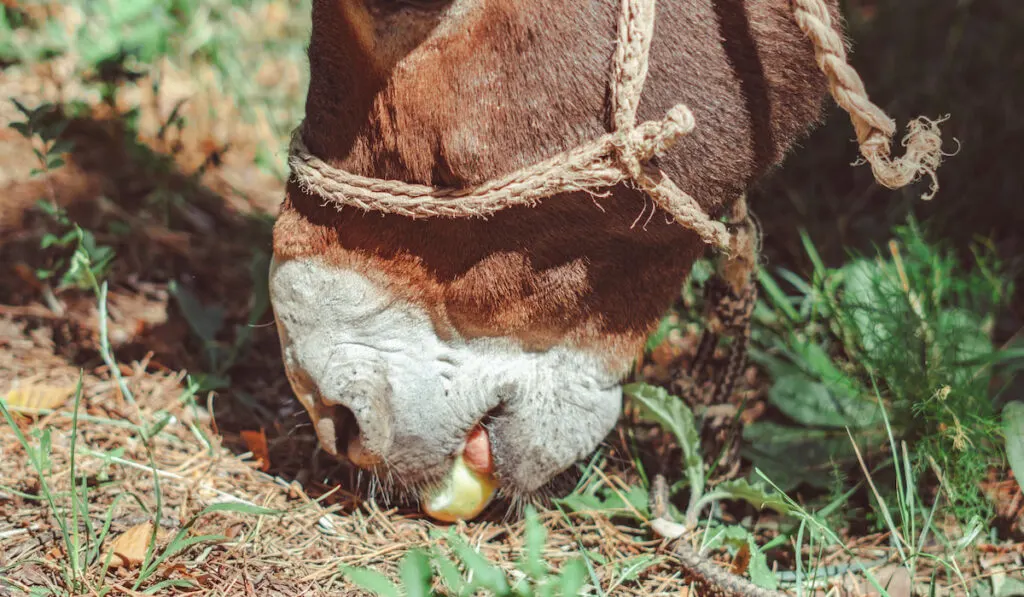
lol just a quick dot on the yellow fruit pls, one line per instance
(463, 495)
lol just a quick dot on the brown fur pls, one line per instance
(510, 82)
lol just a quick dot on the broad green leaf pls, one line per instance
(211, 382)
(485, 574)
(449, 573)
(793, 455)
(981, 588)
(48, 241)
(371, 580)
(239, 508)
(660, 407)
(775, 366)
(572, 577)
(205, 321)
(755, 494)
(821, 366)
(734, 536)
(760, 574)
(811, 403)
(1013, 431)
(22, 128)
(607, 499)
(863, 297)
(1010, 587)
(535, 536)
(415, 573)
(665, 327)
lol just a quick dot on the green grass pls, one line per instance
(470, 572)
(253, 47)
(913, 325)
(85, 561)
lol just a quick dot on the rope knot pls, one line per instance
(639, 144)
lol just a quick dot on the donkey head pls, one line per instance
(401, 335)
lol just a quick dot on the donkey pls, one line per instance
(402, 335)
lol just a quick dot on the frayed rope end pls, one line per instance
(923, 156)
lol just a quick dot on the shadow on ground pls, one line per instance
(205, 231)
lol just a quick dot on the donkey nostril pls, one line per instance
(358, 395)
(335, 424)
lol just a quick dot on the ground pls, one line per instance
(176, 163)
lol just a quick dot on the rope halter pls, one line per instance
(623, 155)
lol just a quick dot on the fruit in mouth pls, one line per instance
(470, 483)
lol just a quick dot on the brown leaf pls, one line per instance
(130, 546)
(38, 397)
(257, 444)
(741, 561)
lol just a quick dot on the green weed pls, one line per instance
(469, 572)
(671, 413)
(911, 526)
(86, 565)
(207, 324)
(44, 127)
(912, 322)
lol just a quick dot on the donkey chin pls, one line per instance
(385, 390)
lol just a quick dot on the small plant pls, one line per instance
(672, 414)
(81, 540)
(892, 352)
(75, 239)
(44, 126)
(207, 323)
(470, 572)
(911, 526)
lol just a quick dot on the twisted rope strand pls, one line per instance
(873, 126)
(636, 29)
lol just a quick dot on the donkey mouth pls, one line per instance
(469, 485)
(465, 490)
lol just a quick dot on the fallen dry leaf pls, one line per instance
(256, 441)
(38, 397)
(742, 561)
(129, 548)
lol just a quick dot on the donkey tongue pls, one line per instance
(469, 486)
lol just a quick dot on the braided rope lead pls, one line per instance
(873, 126)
